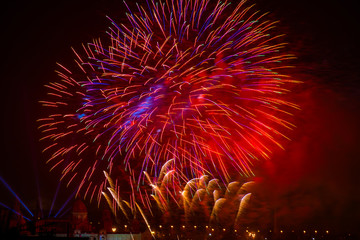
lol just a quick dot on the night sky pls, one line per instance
(315, 181)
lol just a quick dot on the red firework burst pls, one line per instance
(188, 80)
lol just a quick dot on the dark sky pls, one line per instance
(318, 175)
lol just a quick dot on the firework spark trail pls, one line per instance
(200, 198)
(194, 81)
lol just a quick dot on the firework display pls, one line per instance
(198, 202)
(194, 81)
